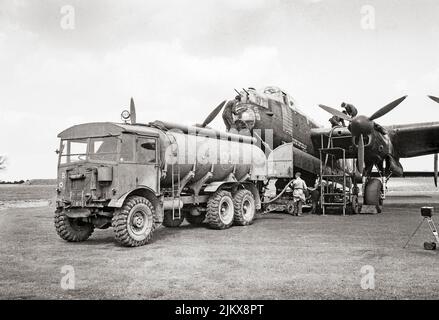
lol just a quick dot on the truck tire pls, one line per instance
(172, 223)
(195, 219)
(134, 224)
(72, 229)
(244, 206)
(220, 210)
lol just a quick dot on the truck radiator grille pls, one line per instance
(78, 189)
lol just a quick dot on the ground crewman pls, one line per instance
(336, 121)
(315, 196)
(299, 187)
(350, 109)
(229, 111)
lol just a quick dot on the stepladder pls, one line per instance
(337, 186)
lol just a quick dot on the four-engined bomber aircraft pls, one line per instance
(363, 139)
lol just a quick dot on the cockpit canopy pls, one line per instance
(271, 90)
(260, 97)
(276, 93)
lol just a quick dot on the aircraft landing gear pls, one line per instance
(373, 194)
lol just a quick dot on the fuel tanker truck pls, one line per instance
(136, 177)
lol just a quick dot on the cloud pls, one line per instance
(250, 4)
(53, 89)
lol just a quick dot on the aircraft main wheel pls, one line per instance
(220, 210)
(244, 206)
(195, 216)
(172, 223)
(373, 192)
(72, 229)
(134, 224)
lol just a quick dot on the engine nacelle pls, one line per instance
(394, 166)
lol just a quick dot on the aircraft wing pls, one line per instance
(342, 138)
(413, 140)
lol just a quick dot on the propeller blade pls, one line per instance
(435, 169)
(335, 112)
(387, 108)
(435, 99)
(361, 154)
(213, 114)
(132, 111)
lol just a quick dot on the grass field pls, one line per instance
(26, 192)
(412, 184)
(278, 257)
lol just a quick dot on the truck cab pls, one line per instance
(99, 165)
(99, 162)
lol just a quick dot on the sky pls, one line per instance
(179, 59)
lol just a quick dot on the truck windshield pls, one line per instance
(101, 149)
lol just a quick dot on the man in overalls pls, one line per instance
(229, 111)
(336, 121)
(315, 196)
(299, 187)
(350, 109)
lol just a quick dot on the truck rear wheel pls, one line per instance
(244, 206)
(220, 210)
(169, 222)
(135, 222)
(72, 229)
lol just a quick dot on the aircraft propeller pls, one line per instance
(435, 99)
(435, 169)
(213, 114)
(363, 126)
(132, 111)
(378, 114)
(361, 154)
(387, 108)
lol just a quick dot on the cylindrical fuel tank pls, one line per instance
(207, 153)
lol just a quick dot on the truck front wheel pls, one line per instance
(220, 210)
(72, 229)
(244, 204)
(135, 222)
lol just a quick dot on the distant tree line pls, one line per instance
(13, 182)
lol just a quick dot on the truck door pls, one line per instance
(147, 161)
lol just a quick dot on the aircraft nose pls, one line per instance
(361, 125)
(245, 117)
